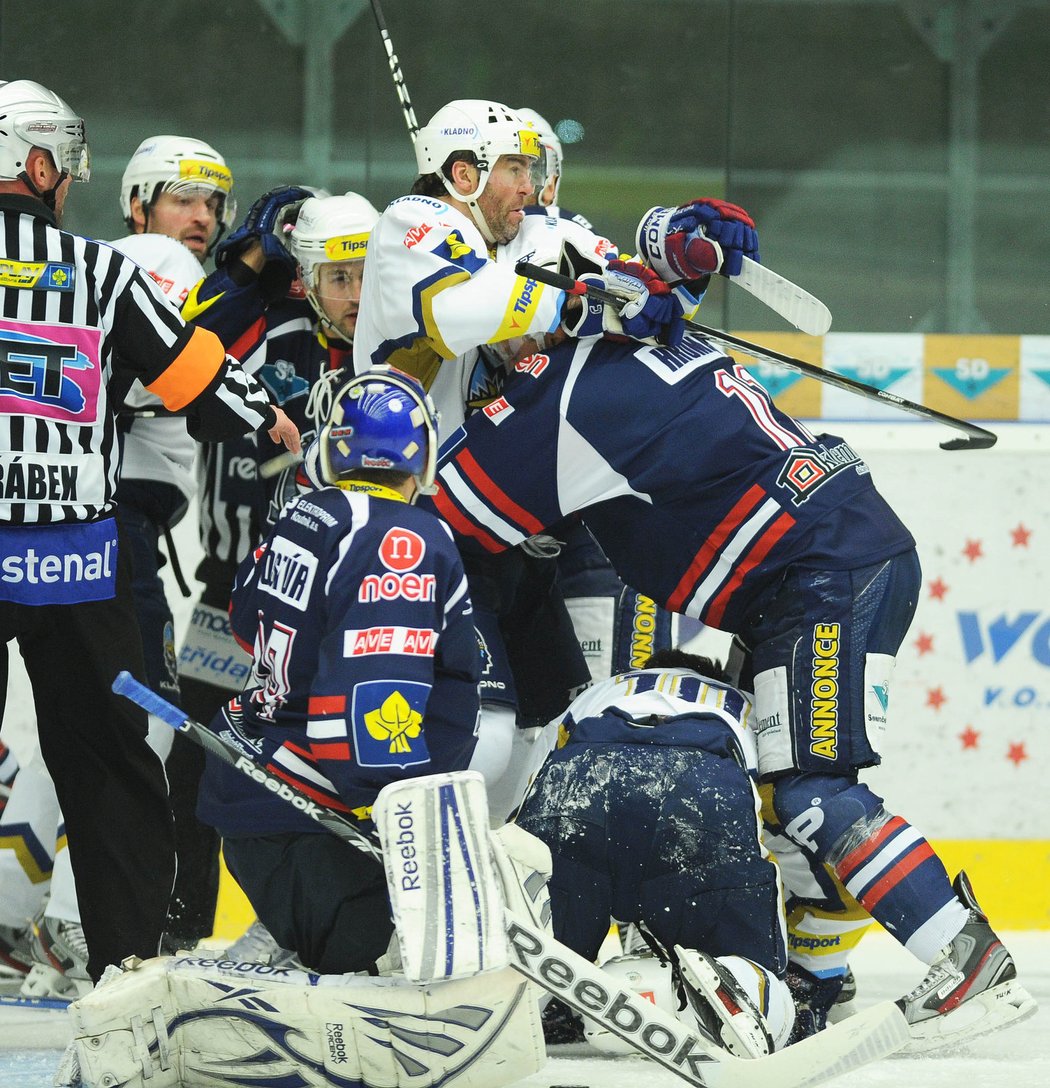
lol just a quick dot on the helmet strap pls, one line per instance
(479, 219)
(46, 195)
(471, 201)
(327, 327)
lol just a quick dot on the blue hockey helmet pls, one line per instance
(382, 419)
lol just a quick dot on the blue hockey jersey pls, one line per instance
(365, 661)
(696, 486)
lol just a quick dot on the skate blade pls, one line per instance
(1002, 1005)
(741, 1035)
(841, 1010)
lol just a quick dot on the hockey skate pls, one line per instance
(845, 1004)
(561, 1025)
(15, 957)
(257, 945)
(725, 1013)
(60, 958)
(814, 999)
(970, 990)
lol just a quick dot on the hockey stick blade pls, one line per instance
(803, 310)
(873, 1034)
(976, 438)
(538, 956)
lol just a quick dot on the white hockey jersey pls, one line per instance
(433, 294)
(666, 694)
(160, 449)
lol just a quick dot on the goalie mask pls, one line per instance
(329, 241)
(384, 420)
(182, 166)
(487, 130)
(32, 116)
(548, 183)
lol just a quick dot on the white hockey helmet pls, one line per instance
(488, 129)
(553, 156)
(329, 230)
(32, 116)
(646, 976)
(177, 164)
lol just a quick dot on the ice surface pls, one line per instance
(31, 1042)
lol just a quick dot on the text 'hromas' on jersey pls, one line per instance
(365, 667)
(697, 487)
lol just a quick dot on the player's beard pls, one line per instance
(497, 217)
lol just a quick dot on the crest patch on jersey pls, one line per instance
(402, 550)
(387, 721)
(37, 275)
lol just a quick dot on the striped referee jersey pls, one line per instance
(78, 323)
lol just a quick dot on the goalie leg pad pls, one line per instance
(167, 1023)
(444, 891)
(523, 863)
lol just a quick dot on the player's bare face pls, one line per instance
(506, 193)
(190, 218)
(339, 293)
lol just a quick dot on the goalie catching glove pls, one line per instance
(696, 239)
(650, 311)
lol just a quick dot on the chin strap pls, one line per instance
(46, 195)
(472, 202)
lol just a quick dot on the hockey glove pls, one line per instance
(263, 224)
(649, 311)
(696, 239)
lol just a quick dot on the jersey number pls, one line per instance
(273, 652)
(754, 397)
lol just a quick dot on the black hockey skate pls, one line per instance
(16, 957)
(561, 1025)
(814, 998)
(970, 990)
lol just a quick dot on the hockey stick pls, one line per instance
(243, 760)
(797, 306)
(395, 73)
(47, 1004)
(803, 310)
(977, 438)
(866, 1037)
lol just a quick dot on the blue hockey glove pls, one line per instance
(695, 239)
(262, 224)
(649, 311)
